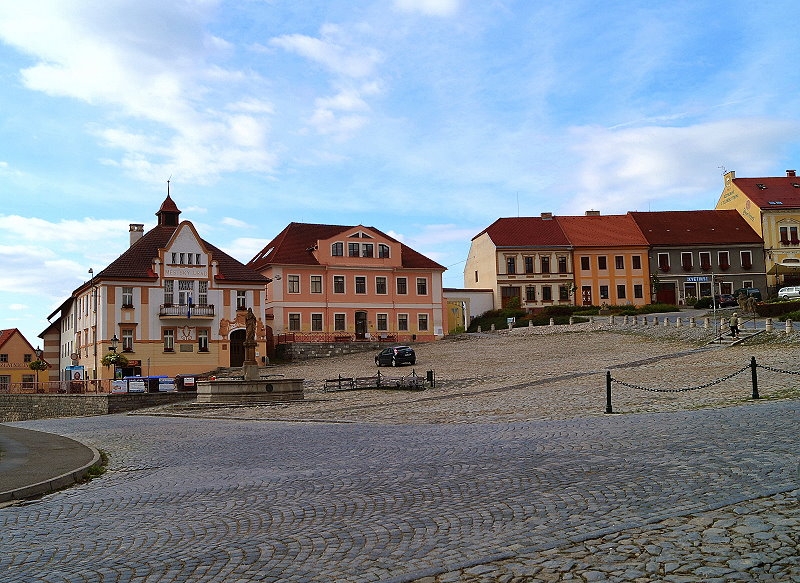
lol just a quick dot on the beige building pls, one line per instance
(172, 304)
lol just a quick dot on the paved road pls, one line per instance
(205, 500)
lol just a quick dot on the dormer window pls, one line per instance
(367, 250)
(353, 250)
(337, 249)
(383, 251)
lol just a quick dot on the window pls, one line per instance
(793, 236)
(293, 284)
(361, 284)
(381, 286)
(723, 259)
(402, 285)
(183, 258)
(241, 299)
(619, 262)
(563, 292)
(784, 235)
(197, 259)
(168, 292)
(686, 261)
(705, 260)
(169, 340)
(530, 293)
(202, 294)
(339, 322)
(353, 249)
(189, 258)
(127, 297)
(338, 284)
(127, 340)
(638, 291)
(3, 357)
(422, 322)
(602, 262)
(383, 322)
(294, 322)
(603, 292)
(528, 264)
(747, 259)
(585, 263)
(383, 251)
(402, 322)
(185, 291)
(545, 261)
(562, 264)
(511, 265)
(636, 262)
(337, 249)
(367, 250)
(663, 262)
(547, 293)
(621, 293)
(316, 322)
(422, 286)
(202, 340)
(27, 357)
(316, 284)
(28, 381)
(174, 258)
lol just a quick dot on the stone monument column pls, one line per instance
(250, 365)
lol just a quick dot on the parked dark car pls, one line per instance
(726, 301)
(395, 356)
(753, 292)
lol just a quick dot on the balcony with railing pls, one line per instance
(180, 311)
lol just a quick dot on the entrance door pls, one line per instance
(237, 347)
(666, 294)
(361, 325)
(586, 295)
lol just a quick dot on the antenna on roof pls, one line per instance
(168, 181)
(724, 171)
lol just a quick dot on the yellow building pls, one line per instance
(771, 205)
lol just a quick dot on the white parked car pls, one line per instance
(787, 293)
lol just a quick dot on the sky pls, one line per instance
(427, 119)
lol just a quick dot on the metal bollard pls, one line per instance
(608, 392)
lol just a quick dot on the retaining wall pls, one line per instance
(295, 351)
(29, 407)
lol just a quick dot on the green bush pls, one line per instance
(703, 303)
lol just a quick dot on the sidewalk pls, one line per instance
(34, 463)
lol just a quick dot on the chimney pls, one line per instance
(136, 232)
(791, 173)
(592, 213)
(547, 216)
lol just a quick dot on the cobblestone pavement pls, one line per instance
(501, 473)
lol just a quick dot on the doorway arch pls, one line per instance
(237, 347)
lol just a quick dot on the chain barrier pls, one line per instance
(771, 369)
(686, 389)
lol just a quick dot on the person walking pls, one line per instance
(734, 324)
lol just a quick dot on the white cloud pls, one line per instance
(235, 223)
(429, 7)
(622, 170)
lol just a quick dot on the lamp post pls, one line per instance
(113, 348)
(38, 352)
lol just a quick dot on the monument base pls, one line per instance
(249, 391)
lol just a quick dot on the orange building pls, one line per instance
(16, 356)
(610, 255)
(332, 282)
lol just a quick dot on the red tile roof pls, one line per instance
(774, 192)
(525, 232)
(294, 244)
(703, 227)
(5, 335)
(602, 231)
(136, 262)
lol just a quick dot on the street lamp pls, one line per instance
(114, 343)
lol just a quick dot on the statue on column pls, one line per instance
(250, 364)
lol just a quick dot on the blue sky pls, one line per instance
(427, 119)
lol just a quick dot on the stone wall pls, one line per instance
(29, 407)
(295, 351)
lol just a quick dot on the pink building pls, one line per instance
(339, 283)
